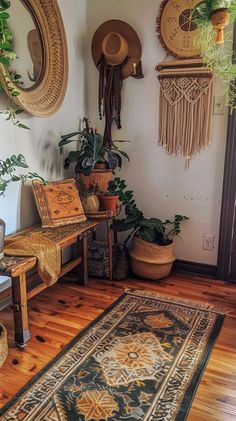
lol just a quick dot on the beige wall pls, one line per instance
(162, 186)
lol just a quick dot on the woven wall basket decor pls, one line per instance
(186, 105)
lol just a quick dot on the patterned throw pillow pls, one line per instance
(58, 203)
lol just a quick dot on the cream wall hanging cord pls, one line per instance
(186, 105)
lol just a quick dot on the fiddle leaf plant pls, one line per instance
(8, 168)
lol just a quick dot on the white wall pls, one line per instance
(39, 144)
(162, 186)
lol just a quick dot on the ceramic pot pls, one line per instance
(91, 203)
(2, 235)
(220, 19)
(109, 202)
(3, 345)
(151, 261)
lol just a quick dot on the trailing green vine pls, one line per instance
(6, 56)
(217, 57)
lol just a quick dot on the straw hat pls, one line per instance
(118, 42)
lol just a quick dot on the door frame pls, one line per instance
(227, 220)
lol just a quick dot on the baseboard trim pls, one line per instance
(194, 268)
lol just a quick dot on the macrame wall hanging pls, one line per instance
(186, 105)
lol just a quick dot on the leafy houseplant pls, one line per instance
(7, 172)
(91, 150)
(152, 248)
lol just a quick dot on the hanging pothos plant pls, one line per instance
(6, 56)
(212, 16)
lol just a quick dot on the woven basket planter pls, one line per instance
(151, 261)
(99, 177)
(3, 345)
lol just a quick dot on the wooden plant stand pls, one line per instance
(108, 217)
(17, 268)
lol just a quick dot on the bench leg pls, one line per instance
(83, 267)
(19, 297)
(109, 241)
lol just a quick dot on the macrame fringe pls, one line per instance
(177, 300)
(186, 103)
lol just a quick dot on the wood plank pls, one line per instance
(57, 314)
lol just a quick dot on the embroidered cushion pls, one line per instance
(58, 203)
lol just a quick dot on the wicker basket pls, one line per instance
(99, 177)
(98, 261)
(3, 345)
(151, 261)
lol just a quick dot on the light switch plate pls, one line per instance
(218, 108)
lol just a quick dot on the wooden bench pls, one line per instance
(17, 268)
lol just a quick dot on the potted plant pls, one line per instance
(150, 241)
(89, 197)
(218, 12)
(95, 160)
(111, 197)
(217, 57)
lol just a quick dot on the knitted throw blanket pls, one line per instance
(37, 245)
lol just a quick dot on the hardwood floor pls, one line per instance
(57, 314)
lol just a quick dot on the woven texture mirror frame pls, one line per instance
(46, 95)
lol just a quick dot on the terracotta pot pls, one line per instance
(220, 19)
(151, 261)
(100, 166)
(109, 202)
(3, 346)
(99, 177)
(91, 203)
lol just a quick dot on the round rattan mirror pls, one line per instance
(44, 90)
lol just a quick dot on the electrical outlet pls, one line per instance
(218, 108)
(208, 242)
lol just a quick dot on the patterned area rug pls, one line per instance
(140, 360)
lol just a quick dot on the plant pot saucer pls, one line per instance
(104, 214)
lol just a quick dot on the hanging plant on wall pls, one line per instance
(218, 13)
(212, 16)
(6, 56)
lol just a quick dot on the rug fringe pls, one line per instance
(177, 300)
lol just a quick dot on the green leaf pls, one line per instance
(15, 93)
(4, 15)
(23, 126)
(5, 61)
(5, 45)
(74, 156)
(97, 145)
